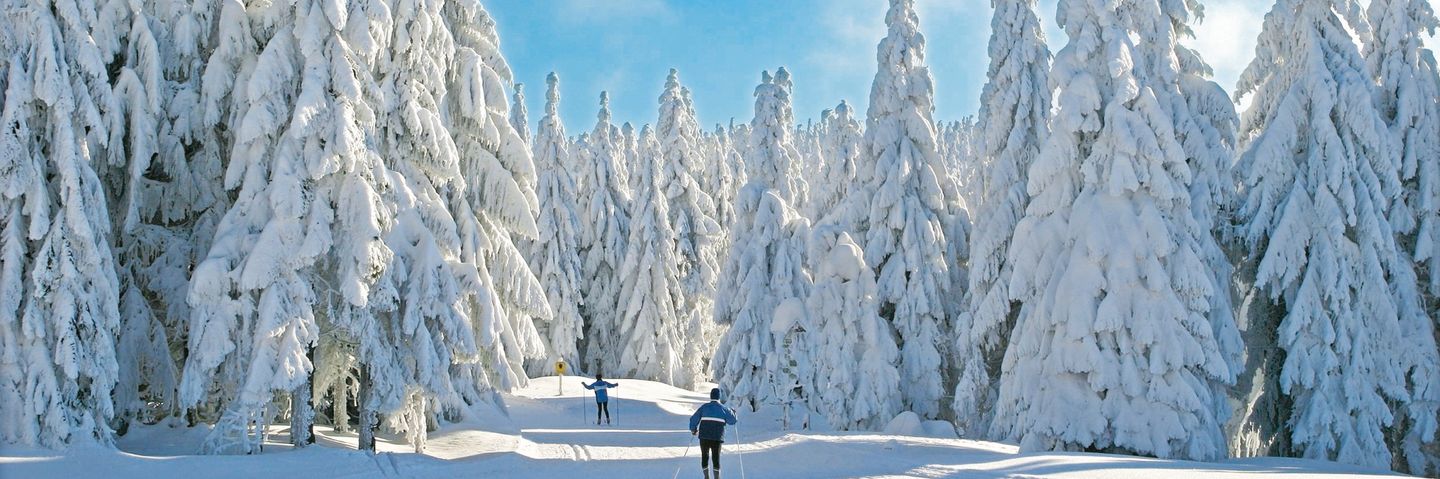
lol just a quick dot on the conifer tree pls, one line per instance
(652, 299)
(604, 229)
(1118, 330)
(765, 267)
(905, 234)
(59, 294)
(555, 254)
(1014, 116)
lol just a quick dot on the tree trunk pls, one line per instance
(340, 409)
(302, 409)
(367, 411)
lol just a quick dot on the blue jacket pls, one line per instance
(710, 421)
(599, 387)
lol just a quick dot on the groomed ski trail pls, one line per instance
(541, 434)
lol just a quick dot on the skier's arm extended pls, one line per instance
(695, 422)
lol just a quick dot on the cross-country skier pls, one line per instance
(602, 398)
(708, 423)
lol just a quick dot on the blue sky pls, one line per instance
(720, 47)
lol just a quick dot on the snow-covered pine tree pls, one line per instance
(740, 144)
(209, 382)
(58, 292)
(964, 166)
(765, 267)
(519, 115)
(725, 173)
(1207, 133)
(1407, 100)
(855, 349)
(812, 161)
(691, 212)
(1119, 333)
(905, 237)
(1014, 121)
(604, 228)
(1408, 79)
(630, 159)
(308, 208)
(418, 307)
(651, 309)
(499, 205)
(163, 185)
(555, 255)
(1327, 311)
(840, 148)
(771, 141)
(142, 349)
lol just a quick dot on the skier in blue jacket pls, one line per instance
(708, 423)
(602, 398)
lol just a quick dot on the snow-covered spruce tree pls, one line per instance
(691, 212)
(419, 305)
(1014, 120)
(725, 174)
(604, 228)
(519, 116)
(142, 349)
(1408, 83)
(905, 240)
(854, 348)
(497, 207)
(765, 267)
(1206, 127)
(812, 161)
(58, 290)
(964, 166)
(555, 255)
(629, 157)
(771, 139)
(1409, 91)
(840, 138)
(740, 144)
(1328, 301)
(162, 181)
(1118, 332)
(308, 209)
(652, 319)
(209, 382)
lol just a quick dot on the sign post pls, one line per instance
(560, 372)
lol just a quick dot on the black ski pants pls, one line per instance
(709, 452)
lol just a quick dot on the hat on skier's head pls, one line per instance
(715, 394)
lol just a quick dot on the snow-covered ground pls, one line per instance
(542, 434)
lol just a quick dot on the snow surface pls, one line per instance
(543, 435)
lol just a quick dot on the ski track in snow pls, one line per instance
(540, 434)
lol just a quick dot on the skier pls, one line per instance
(708, 423)
(602, 398)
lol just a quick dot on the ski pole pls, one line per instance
(739, 456)
(682, 459)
